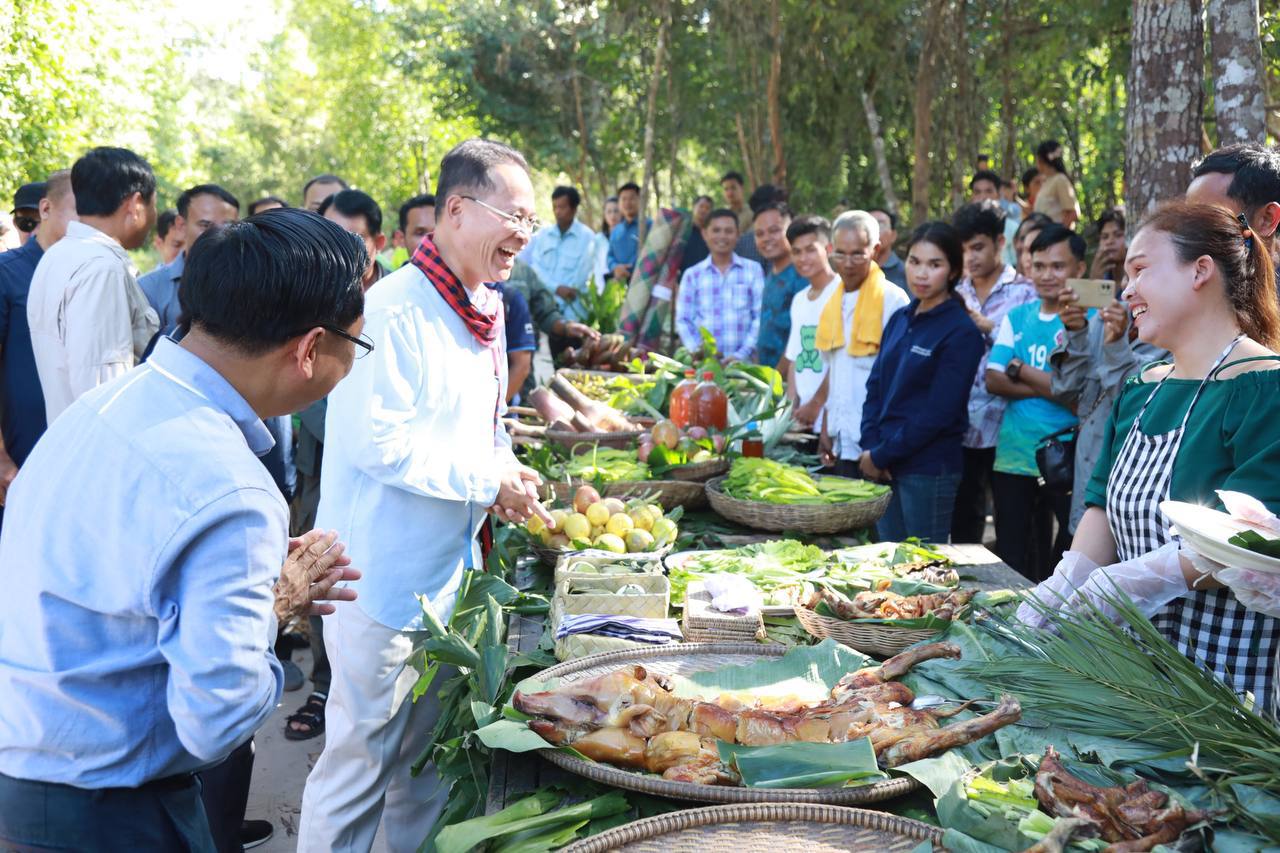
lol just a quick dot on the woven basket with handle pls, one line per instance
(699, 472)
(883, 640)
(800, 518)
(775, 827)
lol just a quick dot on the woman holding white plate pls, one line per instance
(1202, 287)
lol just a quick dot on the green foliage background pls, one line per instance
(259, 96)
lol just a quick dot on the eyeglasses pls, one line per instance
(842, 258)
(364, 342)
(25, 224)
(526, 223)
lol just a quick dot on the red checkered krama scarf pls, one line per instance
(484, 327)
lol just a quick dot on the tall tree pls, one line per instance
(1239, 100)
(935, 14)
(1166, 98)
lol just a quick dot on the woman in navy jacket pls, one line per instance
(916, 411)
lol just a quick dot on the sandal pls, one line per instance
(311, 715)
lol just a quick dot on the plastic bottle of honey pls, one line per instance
(682, 400)
(710, 404)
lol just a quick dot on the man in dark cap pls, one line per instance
(26, 209)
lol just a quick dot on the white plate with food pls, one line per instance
(1207, 531)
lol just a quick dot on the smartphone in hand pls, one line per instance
(1093, 292)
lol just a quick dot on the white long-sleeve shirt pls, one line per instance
(90, 322)
(412, 459)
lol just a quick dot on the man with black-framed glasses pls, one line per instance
(137, 651)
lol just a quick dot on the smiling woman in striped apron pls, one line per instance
(1201, 287)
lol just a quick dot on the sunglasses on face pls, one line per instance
(25, 224)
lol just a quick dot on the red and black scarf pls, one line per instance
(485, 328)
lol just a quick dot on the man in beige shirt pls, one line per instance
(90, 322)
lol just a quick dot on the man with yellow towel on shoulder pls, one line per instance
(849, 336)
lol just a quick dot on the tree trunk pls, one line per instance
(877, 146)
(581, 177)
(774, 96)
(746, 152)
(964, 148)
(1165, 100)
(1010, 167)
(651, 112)
(1239, 101)
(926, 85)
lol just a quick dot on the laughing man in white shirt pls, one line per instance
(414, 459)
(90, 322)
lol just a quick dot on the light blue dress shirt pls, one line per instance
(141, 538)
(413, 455)
(161, 289)
(563, 258)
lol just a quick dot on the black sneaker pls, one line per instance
(255, 832)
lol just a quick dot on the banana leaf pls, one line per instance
(804, 765)
(465, 836)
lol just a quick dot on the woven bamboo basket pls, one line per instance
(576, 646)
(668, 493)
(584, 441)
(685, 659)
(776, 827)
(883, 640)
(643, 563)
(600, 595)
(702, 624)
(570, 372)
(699, 472)
(805, 518)
(551, 556)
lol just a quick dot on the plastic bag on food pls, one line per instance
(732, 594)
(1258, 591)
(1249, 509)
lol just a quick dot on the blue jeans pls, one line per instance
(921, 506)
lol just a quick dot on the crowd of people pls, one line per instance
(197, 460)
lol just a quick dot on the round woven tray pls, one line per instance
(777, 827)
(884, 640)
(616, 440)
(669, 493)
(685, 659)
(806, 518)
(700, 472)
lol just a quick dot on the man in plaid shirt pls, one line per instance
(721, 294)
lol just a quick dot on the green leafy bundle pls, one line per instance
(779, 565)
(1126, 681)
(603, 306)
(767, 481)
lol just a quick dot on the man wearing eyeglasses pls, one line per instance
(415, 460)
(26, 210)
(136, 653)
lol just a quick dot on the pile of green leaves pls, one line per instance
(768, 481)
(534, 824)
(1126, 682)
(777, 568)
(604, 465)
(603, 306)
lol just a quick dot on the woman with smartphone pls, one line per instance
(1201, 286)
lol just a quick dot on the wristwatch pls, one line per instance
(1013, 368)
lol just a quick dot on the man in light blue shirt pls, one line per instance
(135, 641)
(199, 209)
(624, 242)
(561, 253)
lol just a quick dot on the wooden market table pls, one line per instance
(514, 776)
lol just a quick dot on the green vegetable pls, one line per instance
(603, 307)
(775, 566)
(772, 482)
(1256, 542)
(464, 836)
(606, 465)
